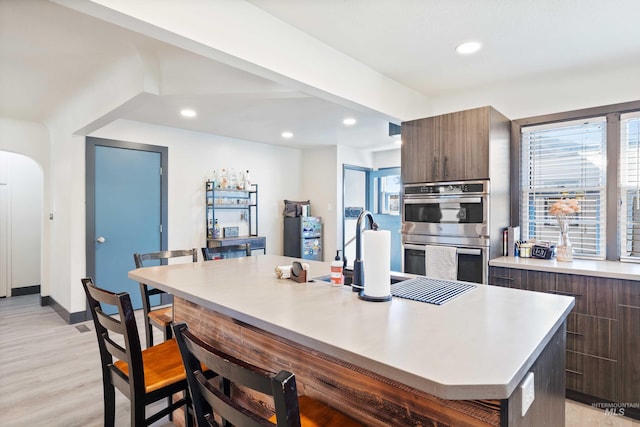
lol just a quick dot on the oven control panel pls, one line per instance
(443, 188)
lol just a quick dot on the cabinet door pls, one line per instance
(475, 124)
(595, 296)
(591, 335)
(419, 151)
(628, 353)
(591, 375)
(453, 133)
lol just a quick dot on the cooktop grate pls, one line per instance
(432, 291)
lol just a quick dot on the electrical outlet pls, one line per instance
(528, 392)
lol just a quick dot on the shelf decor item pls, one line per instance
(561, 210)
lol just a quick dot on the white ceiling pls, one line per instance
(49, 52)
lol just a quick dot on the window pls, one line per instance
(565, 160)
(629, 179)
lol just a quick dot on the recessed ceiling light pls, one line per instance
(468, 48)
(287, 134)
(349, 121)
(188, 113)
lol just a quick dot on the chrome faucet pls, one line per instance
(358, 273)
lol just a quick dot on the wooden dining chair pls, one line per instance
(230, 251)
(160, 317)
(143, 376)
(213, 400)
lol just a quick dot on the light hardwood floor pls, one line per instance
(50, 373)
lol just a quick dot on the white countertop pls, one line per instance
(476, 346)
(585, 267)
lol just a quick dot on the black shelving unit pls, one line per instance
(231, 199)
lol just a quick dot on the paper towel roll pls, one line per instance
(377, 265)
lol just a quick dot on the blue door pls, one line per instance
(384, 203)
(128, 214)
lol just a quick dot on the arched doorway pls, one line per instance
(21, 199)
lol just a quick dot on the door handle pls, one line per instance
(101, 239)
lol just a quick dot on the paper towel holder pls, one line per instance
(358, 279)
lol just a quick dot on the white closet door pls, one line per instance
(4, 241)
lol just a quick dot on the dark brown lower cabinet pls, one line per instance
(629, 357)
(591, 335)
(591, 375)
(603, 333)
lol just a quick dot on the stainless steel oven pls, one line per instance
(449, 209)
(453, 214)
(472, 256)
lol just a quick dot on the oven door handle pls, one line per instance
(467, 251)
(414, 247)
(442, 200)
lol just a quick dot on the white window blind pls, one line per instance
(629, 213)
(565, 160)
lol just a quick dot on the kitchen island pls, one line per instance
(399, 362)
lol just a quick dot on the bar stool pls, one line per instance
(160, 317)
(209, 401)
(143, 376)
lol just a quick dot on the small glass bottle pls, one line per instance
(233, 180)
(241, 180)
(223, 181)
(247, 181)
(216, 230)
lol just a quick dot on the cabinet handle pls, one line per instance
(575, 333)
(573, 372)
(434, 169)
(445, 166)
(504, 278)
(566, 293)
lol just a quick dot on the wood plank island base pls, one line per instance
(400, 374)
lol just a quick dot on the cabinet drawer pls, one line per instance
(539, 281)
(591, 375)
(506, 277)
(591, 335)
(629, 293)
(595, 296)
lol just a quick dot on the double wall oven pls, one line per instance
(452, 214)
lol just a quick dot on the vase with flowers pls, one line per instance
(561, 210)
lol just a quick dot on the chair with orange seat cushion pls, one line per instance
(143, 376)
(211, 401)
(160, 317)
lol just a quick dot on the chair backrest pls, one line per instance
(117, 337)
(230, 251)
(164, 255)
(146, 291)
(208, 399)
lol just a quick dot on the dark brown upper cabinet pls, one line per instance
(471, 144)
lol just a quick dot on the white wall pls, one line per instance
(319, 177)
(192, 158)
(549, 94)
(386, 159)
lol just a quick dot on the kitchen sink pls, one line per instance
(348, 278)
